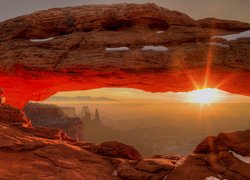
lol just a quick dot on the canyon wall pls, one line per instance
(52, 116)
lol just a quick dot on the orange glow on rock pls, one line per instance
(39, 86)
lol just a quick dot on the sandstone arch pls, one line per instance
(65, 49)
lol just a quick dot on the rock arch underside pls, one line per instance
(159, 50)
(75, 56)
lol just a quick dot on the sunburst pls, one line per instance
(204, 96)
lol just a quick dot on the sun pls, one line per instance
(204, 96)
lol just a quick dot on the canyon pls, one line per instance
(30, 152)
(123, 45)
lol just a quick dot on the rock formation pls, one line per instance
(69, 111)
(85, 114)
(94, 130)
(221, 157)
(52, 116)
(124, 45)
(36, 153)
(13, 116)
(97, 118)
(116, 149)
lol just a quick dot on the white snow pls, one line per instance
(42, 40)
(165, 177)
(211, 178)
(160, 32)
(245, 159)
(180, 162)
(155, 48)
(115, 173)
(231, 37)
(219, 44)
(118, 49)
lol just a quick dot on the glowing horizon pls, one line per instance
(134, 95)
(204, 96)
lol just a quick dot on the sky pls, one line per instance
(225, 9)
(128, 95)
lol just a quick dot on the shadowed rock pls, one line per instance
(217, 157)
(52, 116)
(116, 149)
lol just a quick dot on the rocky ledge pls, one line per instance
(38, 153)
(52, 116)
(124, 45)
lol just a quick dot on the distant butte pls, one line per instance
(124, 45)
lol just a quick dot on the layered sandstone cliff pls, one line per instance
(52, 116)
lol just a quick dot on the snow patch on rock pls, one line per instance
(231, 37)
(245, 159)
(118, 49)
(180, 162)
(211, 178)
(155, 48)
(160, 32)
(219, 44)
(42, 40)
(115, 173)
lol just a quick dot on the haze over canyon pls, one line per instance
(125, 91)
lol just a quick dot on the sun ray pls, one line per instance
(191, 78)
(189, 75)
(209, 62)
(203, 96)
(227, 79)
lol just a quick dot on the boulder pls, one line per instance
(117, 149)
(236, 141)
(13, 116)
(224, 157)
(154, 165)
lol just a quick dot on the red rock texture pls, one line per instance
(116, 149)
(13, 116)
(38, 153)
(214, 157)
(42, 153)
(76, 59)
(237, 142)
(223, 24)
(23, 155)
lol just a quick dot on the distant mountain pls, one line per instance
(79, 98)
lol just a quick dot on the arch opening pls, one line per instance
(153, 123)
